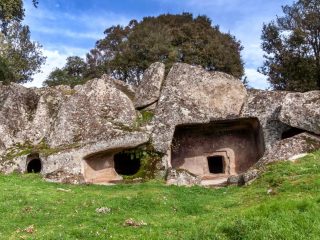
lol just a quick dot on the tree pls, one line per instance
(5, 73)
(292, 46)
(23, 57)
(126, 52)
(12, 10)
(71, 74)
(20, 57)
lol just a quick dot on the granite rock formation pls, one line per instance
(105, 130)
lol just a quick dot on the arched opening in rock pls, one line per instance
(291, 132)
(126, 163)
(34, 164)
(216, 164)
(219, 148)
(111, 165)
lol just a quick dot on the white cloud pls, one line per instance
(90, 27)
(256, 79)
(55, 59)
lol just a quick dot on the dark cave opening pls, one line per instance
(291, 132)
(34, 166)
(216, 164)
(126, 163)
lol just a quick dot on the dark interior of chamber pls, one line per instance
(291, 132)
(243, 137)
(34, 166)
(216, 164)
(126, 163)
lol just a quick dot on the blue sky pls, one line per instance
(71, 27)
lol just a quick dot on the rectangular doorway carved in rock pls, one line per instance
(219, 148)
(216, 164)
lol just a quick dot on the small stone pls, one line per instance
(133, 223)
(29, 229)
(103, 210)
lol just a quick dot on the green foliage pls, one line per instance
(144, 118)
(27, 202)
(72, 74)
(11, 10)
(20, 58)
(292, 47)
(126, 52)
(148, 162)
(5, 74)
(42, 148)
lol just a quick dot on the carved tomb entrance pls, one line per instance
(217, 149)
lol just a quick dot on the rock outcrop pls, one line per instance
(192, 95)
(301, 110)
(290, 147)
(93, 112)
(90, 133)
(266, 106)
(18, 106)
(286, 149)
(148, 91)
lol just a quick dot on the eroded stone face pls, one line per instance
(64, 125)
(193, 95)
(289, 147)
(284, 150)
(302, 110)
(148, 91)
(69, 129)
(93, 112)
(266, 106)
(18, 106)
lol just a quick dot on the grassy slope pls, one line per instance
(291, 211)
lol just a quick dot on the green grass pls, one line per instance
(290, 211)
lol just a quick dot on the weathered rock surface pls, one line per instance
(94, 112)
(302, 110)
(148, 91)
(68, 128)
(266, 106)
(64, 125)
(192, 95)
(287, 148)
(127, 89)
(284, 150)
(18, 106)
(182, 178)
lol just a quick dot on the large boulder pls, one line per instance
(18, 106)
(266, 106)
(148, 91)
(64, 125)
(94, 111)
(193, 95)
(283, 150)
(290, 147)
(302, 110)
